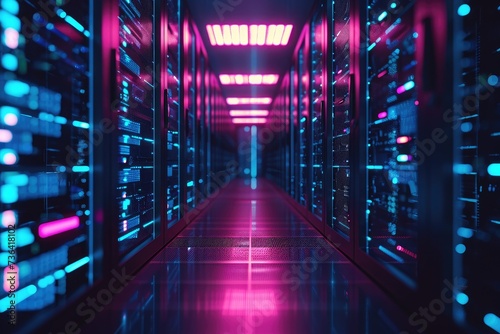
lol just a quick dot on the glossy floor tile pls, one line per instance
(249, 264)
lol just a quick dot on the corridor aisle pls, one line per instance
(249, 264)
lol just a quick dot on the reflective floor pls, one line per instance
(249, 264)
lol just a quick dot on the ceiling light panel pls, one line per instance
(255, 120)
(248, 100)
(249, 79)
(249, 113)
(242, 34)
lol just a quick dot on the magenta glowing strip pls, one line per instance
(246, 113)
(249, 79)
(249, 120)
(248, 100)
(49, 229)
(274, 34)
(381, 74)
(406, 87)
(383, 114)
(403, 139)
(406, 251)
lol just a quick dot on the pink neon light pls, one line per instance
(249, 120)
(11, 38)
(48, 229)
(211, 35)
(244, 113)
(403, 139)
(249, 35)
(9, 218)
(287, 34)
(225, 79)
(9, 272)
(248, 100)
(10, 119)
(218, 35)
(381, 74)
(125, 225)
(278, 35)
(241, 302)
(239, 79)
(271, 31)
(383, 114)
(417, 103)
(253, 34)
(252, 79)
(406, 251)
(226, 31)
(9, 159)
(255, 79)
(5, 136)
(244, 34)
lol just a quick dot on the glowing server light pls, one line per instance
(249, 113)
(462, 298)
(248, 100)
(77, 264)
(8, 157)
(9, 115)
(493, 321)
(463, 10)
(382, 16)
(274, 34)
(404, 158)
(406, 87)
(403, 140)
(494, 169)
(49, 229)
(249, 120)
(249, 79)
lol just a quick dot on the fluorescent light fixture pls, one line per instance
(249, 35)
(248, 100)
(253, 113)
(249, 79)
(249, 120)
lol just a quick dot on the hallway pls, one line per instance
(249, 264)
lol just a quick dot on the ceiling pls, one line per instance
(250, 59)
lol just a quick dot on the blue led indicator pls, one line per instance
(462, 298)
(190, 184)
(12, 6)
(77, 264)
(393, 5)
(9, 62)
(8, 194)
(395, 180)
(8, 20)
(494, 169)
(492, 80)
(82, 125)
(464, 10)
(382, 16)
(59, 274)
(492, 321)
(465, 232)
(372, 46)
(466, 127)
(460, 248)
(16, 88)
(74, 23)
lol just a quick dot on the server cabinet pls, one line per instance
(50, 246)
(189, 151)
(475, 118)
(172, 103)
(318, 119)
(303, 129)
